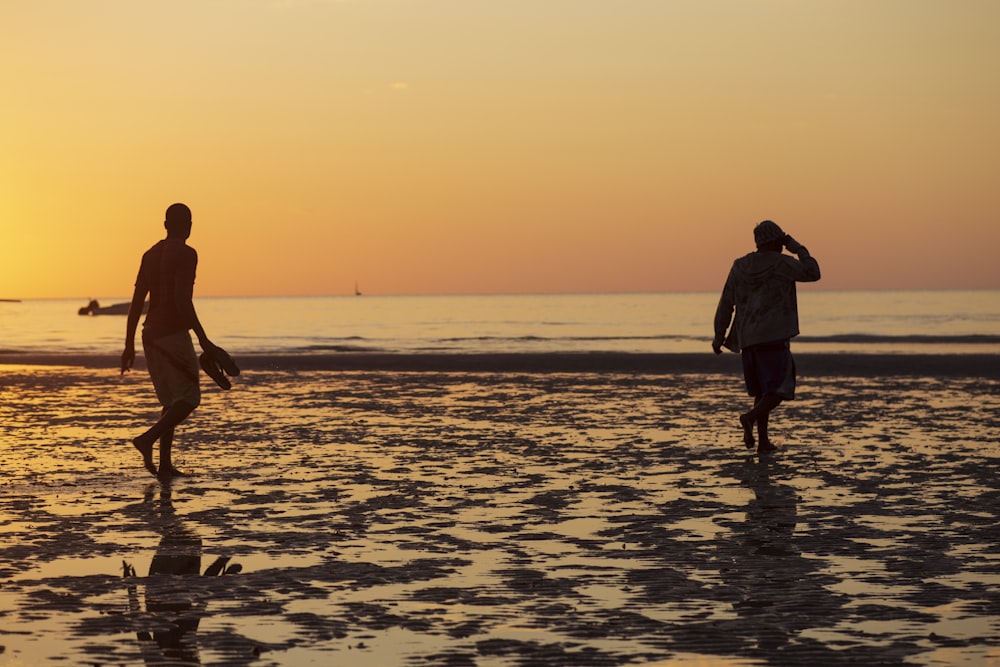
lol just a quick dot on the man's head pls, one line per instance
(769, 236)
(178, 221)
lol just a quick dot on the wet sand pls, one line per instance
(380, 510)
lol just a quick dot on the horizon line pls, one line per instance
(352, 295)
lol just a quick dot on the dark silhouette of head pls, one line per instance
(178, 221)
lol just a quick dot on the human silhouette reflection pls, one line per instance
(173, 610)
(762, 564)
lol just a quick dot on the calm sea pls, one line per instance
(880, 322)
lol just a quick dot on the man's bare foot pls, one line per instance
(169, 472)
(766, 447)
(746, 421)
(146, 449)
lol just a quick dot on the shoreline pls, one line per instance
(985, 366)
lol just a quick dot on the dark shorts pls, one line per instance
(769, 369)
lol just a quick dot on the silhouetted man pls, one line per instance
(761, 289)
(167, 274)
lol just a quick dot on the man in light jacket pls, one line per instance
(761, 290)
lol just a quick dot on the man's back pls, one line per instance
(168, 272)
(761, 286)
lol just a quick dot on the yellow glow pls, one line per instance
(428, 147)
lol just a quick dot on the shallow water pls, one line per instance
(955, 322)
(502, 520)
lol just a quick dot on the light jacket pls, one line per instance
(761, 289)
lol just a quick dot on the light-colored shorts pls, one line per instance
(173, 368)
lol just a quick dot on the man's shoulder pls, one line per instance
(179, 250)
(169, 252)
(756, 261)
(155, 248)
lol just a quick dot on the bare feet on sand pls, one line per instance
(146, 449)
(169, 472)
(766, 447)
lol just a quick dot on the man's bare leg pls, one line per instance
(746, 422)
(762, 414)
(167, 469)
(146, 449)
(169, 418)
(762, 406)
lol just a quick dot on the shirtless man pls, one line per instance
(167, 274)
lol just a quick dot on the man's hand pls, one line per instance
(793, 246)
(717, 346)
(128, 358)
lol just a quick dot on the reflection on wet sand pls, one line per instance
(505, 520)
(167, 632)
(774, 590)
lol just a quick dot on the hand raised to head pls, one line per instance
(792, 245)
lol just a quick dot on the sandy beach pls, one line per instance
(519, 510)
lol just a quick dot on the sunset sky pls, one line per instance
(484, 146)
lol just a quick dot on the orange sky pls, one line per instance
(477, 146)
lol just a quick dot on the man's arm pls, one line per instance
(184, 298)
(808, 268)
(132, 323)
(724, 314)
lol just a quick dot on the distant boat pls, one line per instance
(10, 300)
(95, 308)
(357, 292)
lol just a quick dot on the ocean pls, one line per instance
(958, 322)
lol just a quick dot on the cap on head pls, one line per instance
(767, 232)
